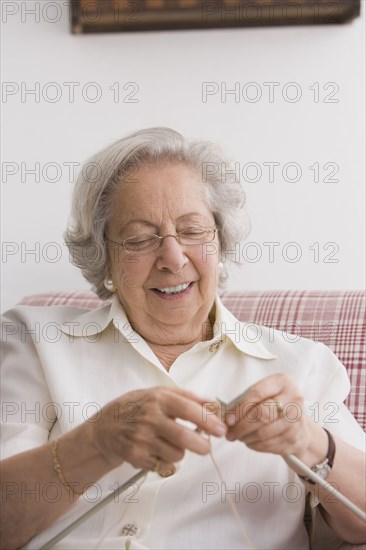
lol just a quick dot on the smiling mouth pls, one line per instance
(173, 289)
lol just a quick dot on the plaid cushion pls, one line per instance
(79, 298)
(336, 318)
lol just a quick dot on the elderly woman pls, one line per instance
(92, 395)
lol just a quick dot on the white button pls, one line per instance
(129, 529)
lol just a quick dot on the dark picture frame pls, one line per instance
(88, 16)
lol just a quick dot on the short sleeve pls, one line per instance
(326, 389)
(27, 411)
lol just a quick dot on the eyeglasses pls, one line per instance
(147, 242)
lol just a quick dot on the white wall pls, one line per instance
(169, 69)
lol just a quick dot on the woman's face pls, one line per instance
(164, 200)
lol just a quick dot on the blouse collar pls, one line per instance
(246, 337)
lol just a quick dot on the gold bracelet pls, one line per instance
(58, 470)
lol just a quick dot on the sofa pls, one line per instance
(336, 318)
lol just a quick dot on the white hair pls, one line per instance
(92, 198)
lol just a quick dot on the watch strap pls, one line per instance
(328, 461)
(331, 449)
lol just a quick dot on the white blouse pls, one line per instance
(62, 364)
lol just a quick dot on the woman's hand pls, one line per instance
(271, 419)
(140, 427)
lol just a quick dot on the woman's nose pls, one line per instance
(171, 255)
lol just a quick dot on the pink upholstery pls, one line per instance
(337, 318)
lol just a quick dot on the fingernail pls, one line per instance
(220, 431)
(230, 419)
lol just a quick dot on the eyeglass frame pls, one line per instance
(160, 239)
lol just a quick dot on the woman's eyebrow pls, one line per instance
(191, 215)
(135, 222)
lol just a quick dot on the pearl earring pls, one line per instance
(108, 283)
(220, 265)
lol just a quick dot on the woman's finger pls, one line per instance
(178, 406)
(130, 427)
(283, 442)
(249, 418)
(183, 437)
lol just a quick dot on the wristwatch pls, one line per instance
(323, 468)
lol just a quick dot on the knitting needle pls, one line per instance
(323, 483)
(92, 511)
(305, 469)
(290, 458)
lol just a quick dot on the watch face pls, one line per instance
(324, 471)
